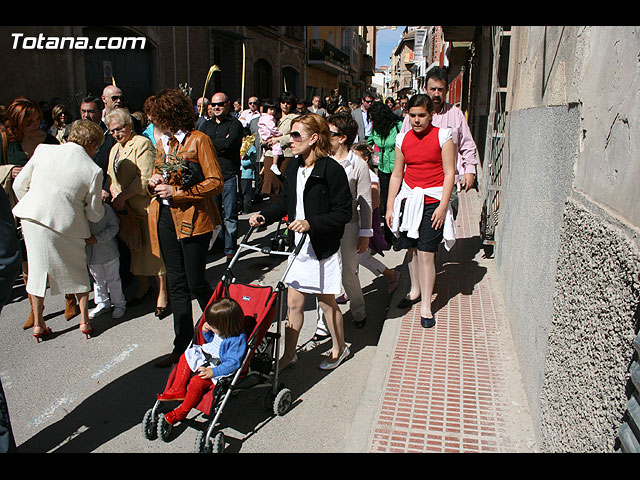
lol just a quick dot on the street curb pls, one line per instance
(360, 434)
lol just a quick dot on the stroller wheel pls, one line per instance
(282, 402)
(149, 425)
(217, 446)
(164, 429)
(205, 444)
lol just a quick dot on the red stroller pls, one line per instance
(262, 306)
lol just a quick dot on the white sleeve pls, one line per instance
(444, 134)
(399, 139)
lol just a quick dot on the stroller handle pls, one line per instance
(266, 250)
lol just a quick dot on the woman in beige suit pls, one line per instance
(130, 167)
(59, 193)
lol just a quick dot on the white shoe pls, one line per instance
(328, 365)
(100, 309)
(275, 169)
(118, 312)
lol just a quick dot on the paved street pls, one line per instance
(78, 395)
(69, 394)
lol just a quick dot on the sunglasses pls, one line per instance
(217, 104)
(297, 136)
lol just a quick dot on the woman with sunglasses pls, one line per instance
(316, 196)
(272, 184)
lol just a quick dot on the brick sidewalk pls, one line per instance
(450, 388)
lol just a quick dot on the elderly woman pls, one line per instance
(21, 137)
(317, 198)
(183, 214)
(59, 193)
(130, 168)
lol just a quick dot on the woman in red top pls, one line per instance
(427, 152)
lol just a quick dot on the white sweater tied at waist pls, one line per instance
(413, 211)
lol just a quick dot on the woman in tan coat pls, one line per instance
(130, 167)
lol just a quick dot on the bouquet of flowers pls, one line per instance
(179, 172)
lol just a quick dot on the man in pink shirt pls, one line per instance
(446, 115)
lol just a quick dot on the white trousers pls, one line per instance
(107, 287)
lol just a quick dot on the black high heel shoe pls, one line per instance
(162, 312)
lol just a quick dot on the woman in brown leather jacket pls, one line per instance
(182, 214)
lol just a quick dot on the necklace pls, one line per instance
(305, 169)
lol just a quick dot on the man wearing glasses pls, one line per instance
(226, 134)
(361, 116)
(113, 98)
(250, 113)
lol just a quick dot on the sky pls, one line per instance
(387, 42)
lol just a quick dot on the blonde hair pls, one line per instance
(118, 114)
(316, 124)
(86, 132)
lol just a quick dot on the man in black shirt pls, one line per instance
(226, 134)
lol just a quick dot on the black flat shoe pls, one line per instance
(406, 302)
(427, 322)
(360, 323)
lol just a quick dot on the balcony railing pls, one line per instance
(326, 56)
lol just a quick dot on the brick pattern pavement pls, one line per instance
(445, 390)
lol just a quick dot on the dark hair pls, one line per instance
(366, 151)
(438, 73)
(226, 316)
(346, 126)
(420, 100)
(96, 100)
(288, 97)
(269, 103)
(171, 108)
(382, 118)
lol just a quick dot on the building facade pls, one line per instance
(263, 61)
(554, 111)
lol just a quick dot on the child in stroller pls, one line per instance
(220, 356)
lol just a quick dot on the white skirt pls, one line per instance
(310, 275)
(56, 259)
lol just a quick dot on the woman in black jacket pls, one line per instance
(316, 196)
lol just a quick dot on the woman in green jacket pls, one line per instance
(385, 127)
